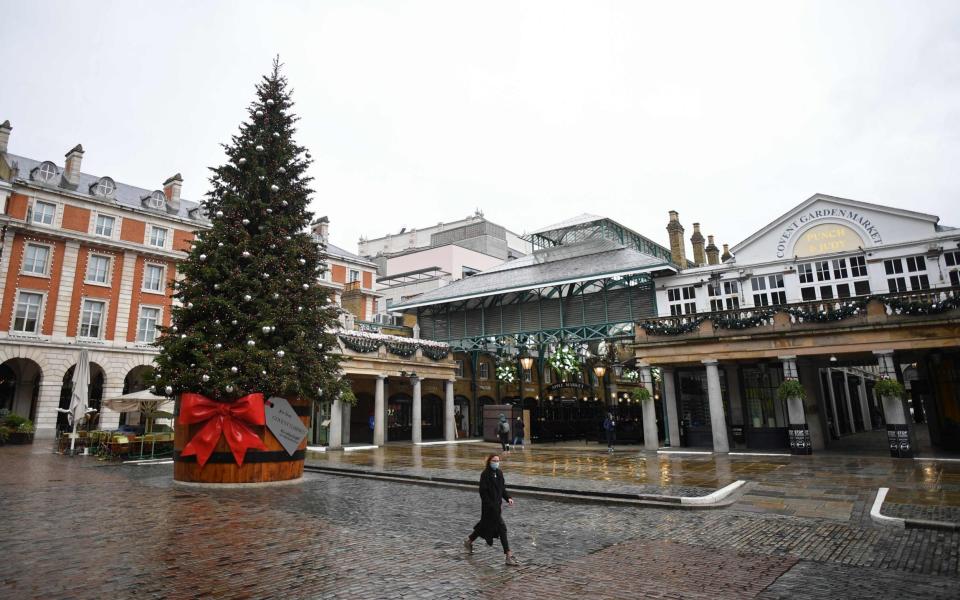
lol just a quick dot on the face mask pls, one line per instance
(494, 465)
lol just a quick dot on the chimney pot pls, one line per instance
(726, 253)
(675, 231)
(697, 241)
(321, 229)
(713, 254)
(71, 169)
(5, 129)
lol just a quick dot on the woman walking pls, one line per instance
(493, 491)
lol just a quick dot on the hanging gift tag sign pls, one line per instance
(284, 424)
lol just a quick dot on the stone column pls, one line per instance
(379, 412)
(833, 403)
(449, 429)
(48, 401)
(865, 404)
(650, 440)
(718, 421)
(345, 428)
(848, 403)
(670, 404)
(336, 426)
(416, 419)
(898, 427)
(125, 297)
(68, 272)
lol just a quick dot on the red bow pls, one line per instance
(228, 419)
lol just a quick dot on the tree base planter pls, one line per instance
(259, 466)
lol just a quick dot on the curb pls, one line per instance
(905, 523)
(717, 499)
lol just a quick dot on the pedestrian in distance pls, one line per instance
(518, 430)
(609, 428)
(503, 432)
(493, 492)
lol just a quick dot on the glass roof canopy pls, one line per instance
(587, 227)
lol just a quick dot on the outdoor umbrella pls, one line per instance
(80, 394)
(143, 401)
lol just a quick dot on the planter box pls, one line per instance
(19, 437)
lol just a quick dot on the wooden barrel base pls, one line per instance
(272, 465)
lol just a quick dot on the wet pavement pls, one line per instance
(79, 528)
(840, 488)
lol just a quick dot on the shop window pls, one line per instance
(682, 301)
(483, 370)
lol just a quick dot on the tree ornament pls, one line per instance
(299, 309)
(245, 221)
(287, 237)
(216, 286)
(275, 134)
(280, 353)
(274, 188)
(306, 286)
(203, 257)
(269, 211)
(266, 275)
(245, 254)
(259, 113)
(216, 322)
(242, 161)
(302, 261)
(189, 304)
(219, 244)
(183, 336)
(284, 203)
(264, 373)
(234, 370)
(168, 390)
(251, 343)
(276, 296)
(153, 388)
(218, 345)
(259, 148)
(265, 329)
(269, 101)
(228, 389)
(205, 378)
(174, 328)
(273, 246)
(219, 213)
(233, 322)
(262, 177)
(282, 170)
(247, 297)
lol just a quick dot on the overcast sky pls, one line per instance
(419, 112)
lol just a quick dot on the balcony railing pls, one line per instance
(914, 303)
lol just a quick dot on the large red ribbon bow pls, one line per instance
(229, 419)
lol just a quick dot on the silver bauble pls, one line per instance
(285, 203)
(275, 134)
(189, 304)
(302, 261)
(259, 113)
(228, 388)
(219, 213)
(205, 377)
(245, 254)
(245, 221)
(282, 170)
(216, 322)
(234, 370)
(266, 275)
(216, 286)
(306, 286)
(259, 148)
(203, 257)
(242, 161)
(265, 329)
(219, 244)
(251, 343)
(280, 353)
(168, 390)
(233, 322)
(274, 188)
(269, 101)
(174, 328)
(247, 297)
(262, 177)
(218, 345)
(183, 336)
(269, 211)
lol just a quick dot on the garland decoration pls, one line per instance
(791, 388)
(403, 349)
(642, 393)
(506, 369)
(435, 352)
(906, 307)
(564, 360)
(654, 328)
(753, 318)
(843, 311)
(362, 344)
(631, 375)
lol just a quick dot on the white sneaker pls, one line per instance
(468, 546)
(511, 561)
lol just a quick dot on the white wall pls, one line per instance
(449, 258)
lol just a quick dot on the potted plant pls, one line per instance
(791, 388)
(20, 430)
(889, 388)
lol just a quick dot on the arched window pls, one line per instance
(155, 200)
(46, 172)
(104, 188)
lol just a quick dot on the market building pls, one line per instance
(583, 287)
(838, 294)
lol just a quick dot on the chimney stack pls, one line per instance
(5, 130)
(697, 241)
(171, 189)
(321, 229)
(675, 231)
(713, 253)
(71, 169)
(726, 253)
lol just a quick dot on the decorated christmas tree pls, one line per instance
(251, 315)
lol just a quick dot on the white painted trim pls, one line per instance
(715, 497)
(701, 452)
(875, 511)
(316, 448)
(352, 448)
(757, 454)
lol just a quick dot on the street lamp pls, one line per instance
(526, 362)
(600, 371)
(618, 369)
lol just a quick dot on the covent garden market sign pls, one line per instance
(829, 235)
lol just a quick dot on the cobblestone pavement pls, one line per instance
(77, 528)
(839, 488)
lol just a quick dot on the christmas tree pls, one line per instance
(252, 316)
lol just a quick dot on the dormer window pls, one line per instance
(45, 173)
(104, 188)
(155, 200)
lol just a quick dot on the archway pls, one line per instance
(20, 387)
(361, 419)
(94, 396)
(135, 381)
(461, 415)
(431, 417)
(481, 402)
(399, 413)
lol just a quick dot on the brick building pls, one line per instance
(85, 262)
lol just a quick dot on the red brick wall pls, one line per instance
(17, 206)
(76, 218)
(132, 230)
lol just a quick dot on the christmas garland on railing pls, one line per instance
(360, 344)
(756, 318)
(435, 352)
(679, 329)
(564, 361)
(906, 307)
(402, 349)
(845, 310)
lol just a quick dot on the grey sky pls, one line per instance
(417, 112)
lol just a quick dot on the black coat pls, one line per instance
(493, 491)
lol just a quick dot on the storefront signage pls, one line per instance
(827, 237)
(284, 424)
(568, 385)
